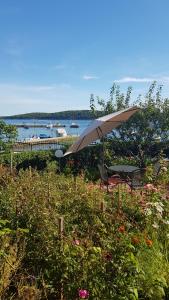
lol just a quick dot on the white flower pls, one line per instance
(164, 169)
(158, 206)
(155, 225)
(166, 222)
(159, 215)
(148, 212)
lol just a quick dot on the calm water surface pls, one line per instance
(30, 132)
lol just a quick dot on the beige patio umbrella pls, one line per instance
(100, 127)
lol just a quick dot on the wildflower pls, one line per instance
(164, 169)
(166, 222)
(135, 240)
(159, 215)
(149, 242)
(148, 212)
(159, 207)
(83, 294)
(76, 242)
(150, 187)
(155, 225)
(121, 229)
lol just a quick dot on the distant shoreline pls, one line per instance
(63, 115)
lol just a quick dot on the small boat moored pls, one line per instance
(49, 126)
(25, 126)
(44, 136)
(59, 125)
(61, 132)
(74, 125)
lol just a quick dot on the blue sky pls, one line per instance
(54, 54)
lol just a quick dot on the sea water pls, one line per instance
(25, 134)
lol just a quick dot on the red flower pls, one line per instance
(135, 240)
(149, 242)
(121, 229)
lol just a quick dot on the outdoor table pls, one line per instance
(123, 169)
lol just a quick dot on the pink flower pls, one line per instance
(76, 242)
(83, 294)
(150, 187)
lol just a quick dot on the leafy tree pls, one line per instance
(147, 126)
(117, 100)
(8, 134)
(92, 105)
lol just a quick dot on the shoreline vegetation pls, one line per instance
(69, 115)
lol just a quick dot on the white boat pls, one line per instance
(61, 132)
(74, 125)
(49, 126)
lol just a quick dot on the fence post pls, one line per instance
(102, 206)
(30, 171)
(61, 229)
(61, 226)
(119, 198)
(11, 162)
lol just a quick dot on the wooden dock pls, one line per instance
(27, 126)
(43, 144)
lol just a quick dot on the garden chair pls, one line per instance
(136, 180)
(106, 180)
(156, 169)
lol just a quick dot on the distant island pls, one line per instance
(63, 115)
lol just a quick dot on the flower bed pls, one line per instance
(70, 240)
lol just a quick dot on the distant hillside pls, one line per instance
(63, 115)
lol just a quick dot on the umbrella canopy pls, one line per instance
(100, 127)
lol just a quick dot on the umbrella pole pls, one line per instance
(103, 150)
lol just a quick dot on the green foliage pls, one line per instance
(8, 134)
(113, 254)
(11, 253)
(142, 130)
(23, 160)
(117, 100)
